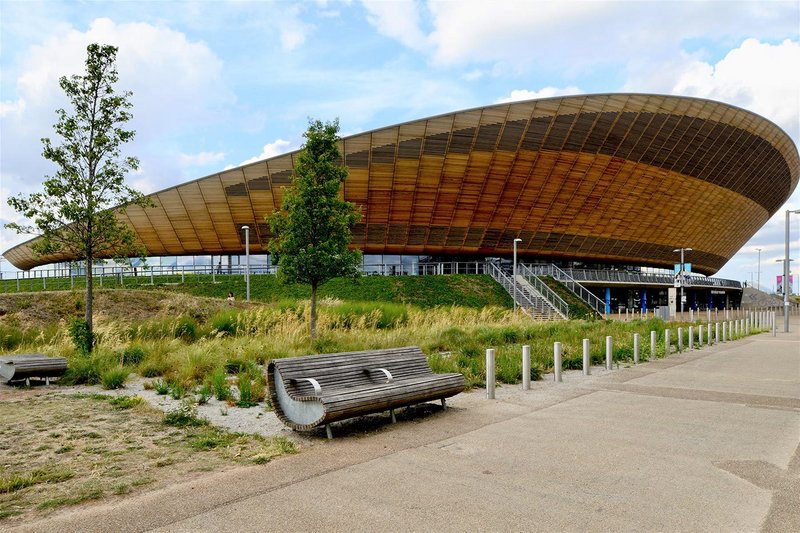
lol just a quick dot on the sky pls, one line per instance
(218, 84)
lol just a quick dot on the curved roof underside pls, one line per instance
(617, 177)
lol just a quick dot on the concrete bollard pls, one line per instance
(490, 372)
(526, 367)
(652, 345)
(716, 332)
(724, 331)
(691, 338)
(557, 361)
(691, 315)
(680, 340)
(586, 361)
(635, 348)
(774, 330)
(747, 327)
(736, 323)
(700, 337)
(609, 352)
(666, 343)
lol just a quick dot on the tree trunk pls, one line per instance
(313, 324)
(89, 297)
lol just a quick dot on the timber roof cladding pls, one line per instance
(616, 177)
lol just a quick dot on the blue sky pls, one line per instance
(220, 83)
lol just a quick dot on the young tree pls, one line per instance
(73, 213)
(312, 229)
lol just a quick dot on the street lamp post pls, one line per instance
(758, 278)
(786, 285)
(247, 260)
(680, 274)
(515, 275)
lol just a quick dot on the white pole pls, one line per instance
(652, 344)
(635, 348)
(557, 361)
(247, 260)
(700, 337)
(490, 373)
(586, 361)
(691, 338)
(716, 333)
(680, 340)
(666, 343)
(526, 367)
(724, 331)
(609, 352)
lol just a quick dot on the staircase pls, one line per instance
(536, 300)
(595, 303)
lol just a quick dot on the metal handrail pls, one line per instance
(546, 292)
(572, 284)
(526, 303)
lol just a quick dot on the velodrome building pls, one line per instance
(606, 185)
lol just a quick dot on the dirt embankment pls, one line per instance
(40, 309)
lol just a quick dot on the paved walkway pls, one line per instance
(704, 441)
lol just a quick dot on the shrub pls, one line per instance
(226, 322)
(203, 394)
(186, 329)
(82, 338)
(161, 387)
(10, 337)
(82, 370)
(251, 388)
(132, 355)
(219, 384)
(114, 378)
(184, 415)
(126, 402)
(236, 365)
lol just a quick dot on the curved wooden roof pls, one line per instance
(617, 177)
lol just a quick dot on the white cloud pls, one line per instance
(545, 92)
(9, 107)
(398, 19)
(759, 77)
(200, 159)
(272, 149)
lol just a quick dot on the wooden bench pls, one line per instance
(315, 390)
(28, 365)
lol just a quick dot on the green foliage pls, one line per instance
(236, 365)
(14, 482)
(578, 309)
(10, 337)
(186, 329)
(126, 402)
(83, 370)
(82, 336)
(132, 355)
(184, 415)
(73, 214)
(225, 322)
(312, 229)
(114, 378)
(161, 387)
(251, 387)
(219, 384)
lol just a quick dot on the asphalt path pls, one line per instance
(706, 440)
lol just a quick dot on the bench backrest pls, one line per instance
(348, 369)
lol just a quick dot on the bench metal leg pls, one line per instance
(391, 412)
(27, 382)
(444, 403)
(47, 380)
(328, 432)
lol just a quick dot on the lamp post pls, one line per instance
(515, 275)
(786, 285)
(247, 260)
(758, 278)
(680, 274)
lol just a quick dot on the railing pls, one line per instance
(640, 278)
(579, 290)
(533, 304)
(546, 292)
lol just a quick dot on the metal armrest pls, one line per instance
(314, 383)
(388, 374)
